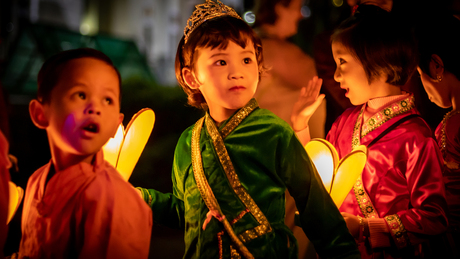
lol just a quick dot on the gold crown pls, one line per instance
(207, 11)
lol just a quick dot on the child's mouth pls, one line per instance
(92, 127)
(236, 88)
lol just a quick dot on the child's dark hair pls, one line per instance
(438, 34)
(265, 11)
(380, 43)
(215, 33)
(48, 75)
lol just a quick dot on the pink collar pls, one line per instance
(376, 104)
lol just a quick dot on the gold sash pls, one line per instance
(206, 191)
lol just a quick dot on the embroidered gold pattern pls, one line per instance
(240, 191)
(219, 241)
(145, 194)
(234, 252)
(205, 189)
(364, 202)
(379, 118)
(236, 120)
(227, 165)
(239, 216)
(397, 230)
(443, 144)
(205, 12)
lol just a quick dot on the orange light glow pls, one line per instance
(16, 194)
(124, 149)
(338, 175)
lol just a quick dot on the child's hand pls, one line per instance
(352, 224)
(309, 100)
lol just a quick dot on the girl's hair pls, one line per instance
(438, 34)
(50, 71)
(265, 11)
(215, 33)
(383, 45)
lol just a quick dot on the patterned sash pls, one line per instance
(368, 210)
(206, 191)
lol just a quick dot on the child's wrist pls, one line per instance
(299, 126)
(299, 129)
(363, 228)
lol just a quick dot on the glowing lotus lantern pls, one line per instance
(338, 175)
(123, 150)
(16, 194)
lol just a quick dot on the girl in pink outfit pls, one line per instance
(398, 203)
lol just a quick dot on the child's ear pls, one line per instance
(189, 78)
(436, 67)
(37, 114)
(120, 120)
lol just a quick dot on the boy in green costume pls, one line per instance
(231, 169)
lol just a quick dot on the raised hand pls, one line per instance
(309, 100)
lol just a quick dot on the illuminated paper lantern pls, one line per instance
(16, 194)
(338, 176)
(123, 150)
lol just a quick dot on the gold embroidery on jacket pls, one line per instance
(236, 120)
(206, 191)
(227, 164)
(233, 252)
(397, 230)
(364, 202)
(368, 210)
(379, 118)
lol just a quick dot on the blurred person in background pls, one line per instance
(289, 69)
(439, 72)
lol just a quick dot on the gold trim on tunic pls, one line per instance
(397, 230)
(232, 176)
(368, 210)
(243, 195)
(206, 191)
(364, 202)
(379, 118)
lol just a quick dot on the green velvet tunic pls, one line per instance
(268, 158)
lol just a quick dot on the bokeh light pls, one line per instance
(337, 3)
(305, 11)
(249, 17)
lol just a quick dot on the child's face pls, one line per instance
(84, 109)
(434, 91)
(351, 76)
(227, 78)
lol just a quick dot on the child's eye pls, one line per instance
(247, 61)
(81, 95)
(108, 100)
(221, 63)
(342, 61)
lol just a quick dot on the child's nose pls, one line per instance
(93, 109)
(337, 75)
(235, 73)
